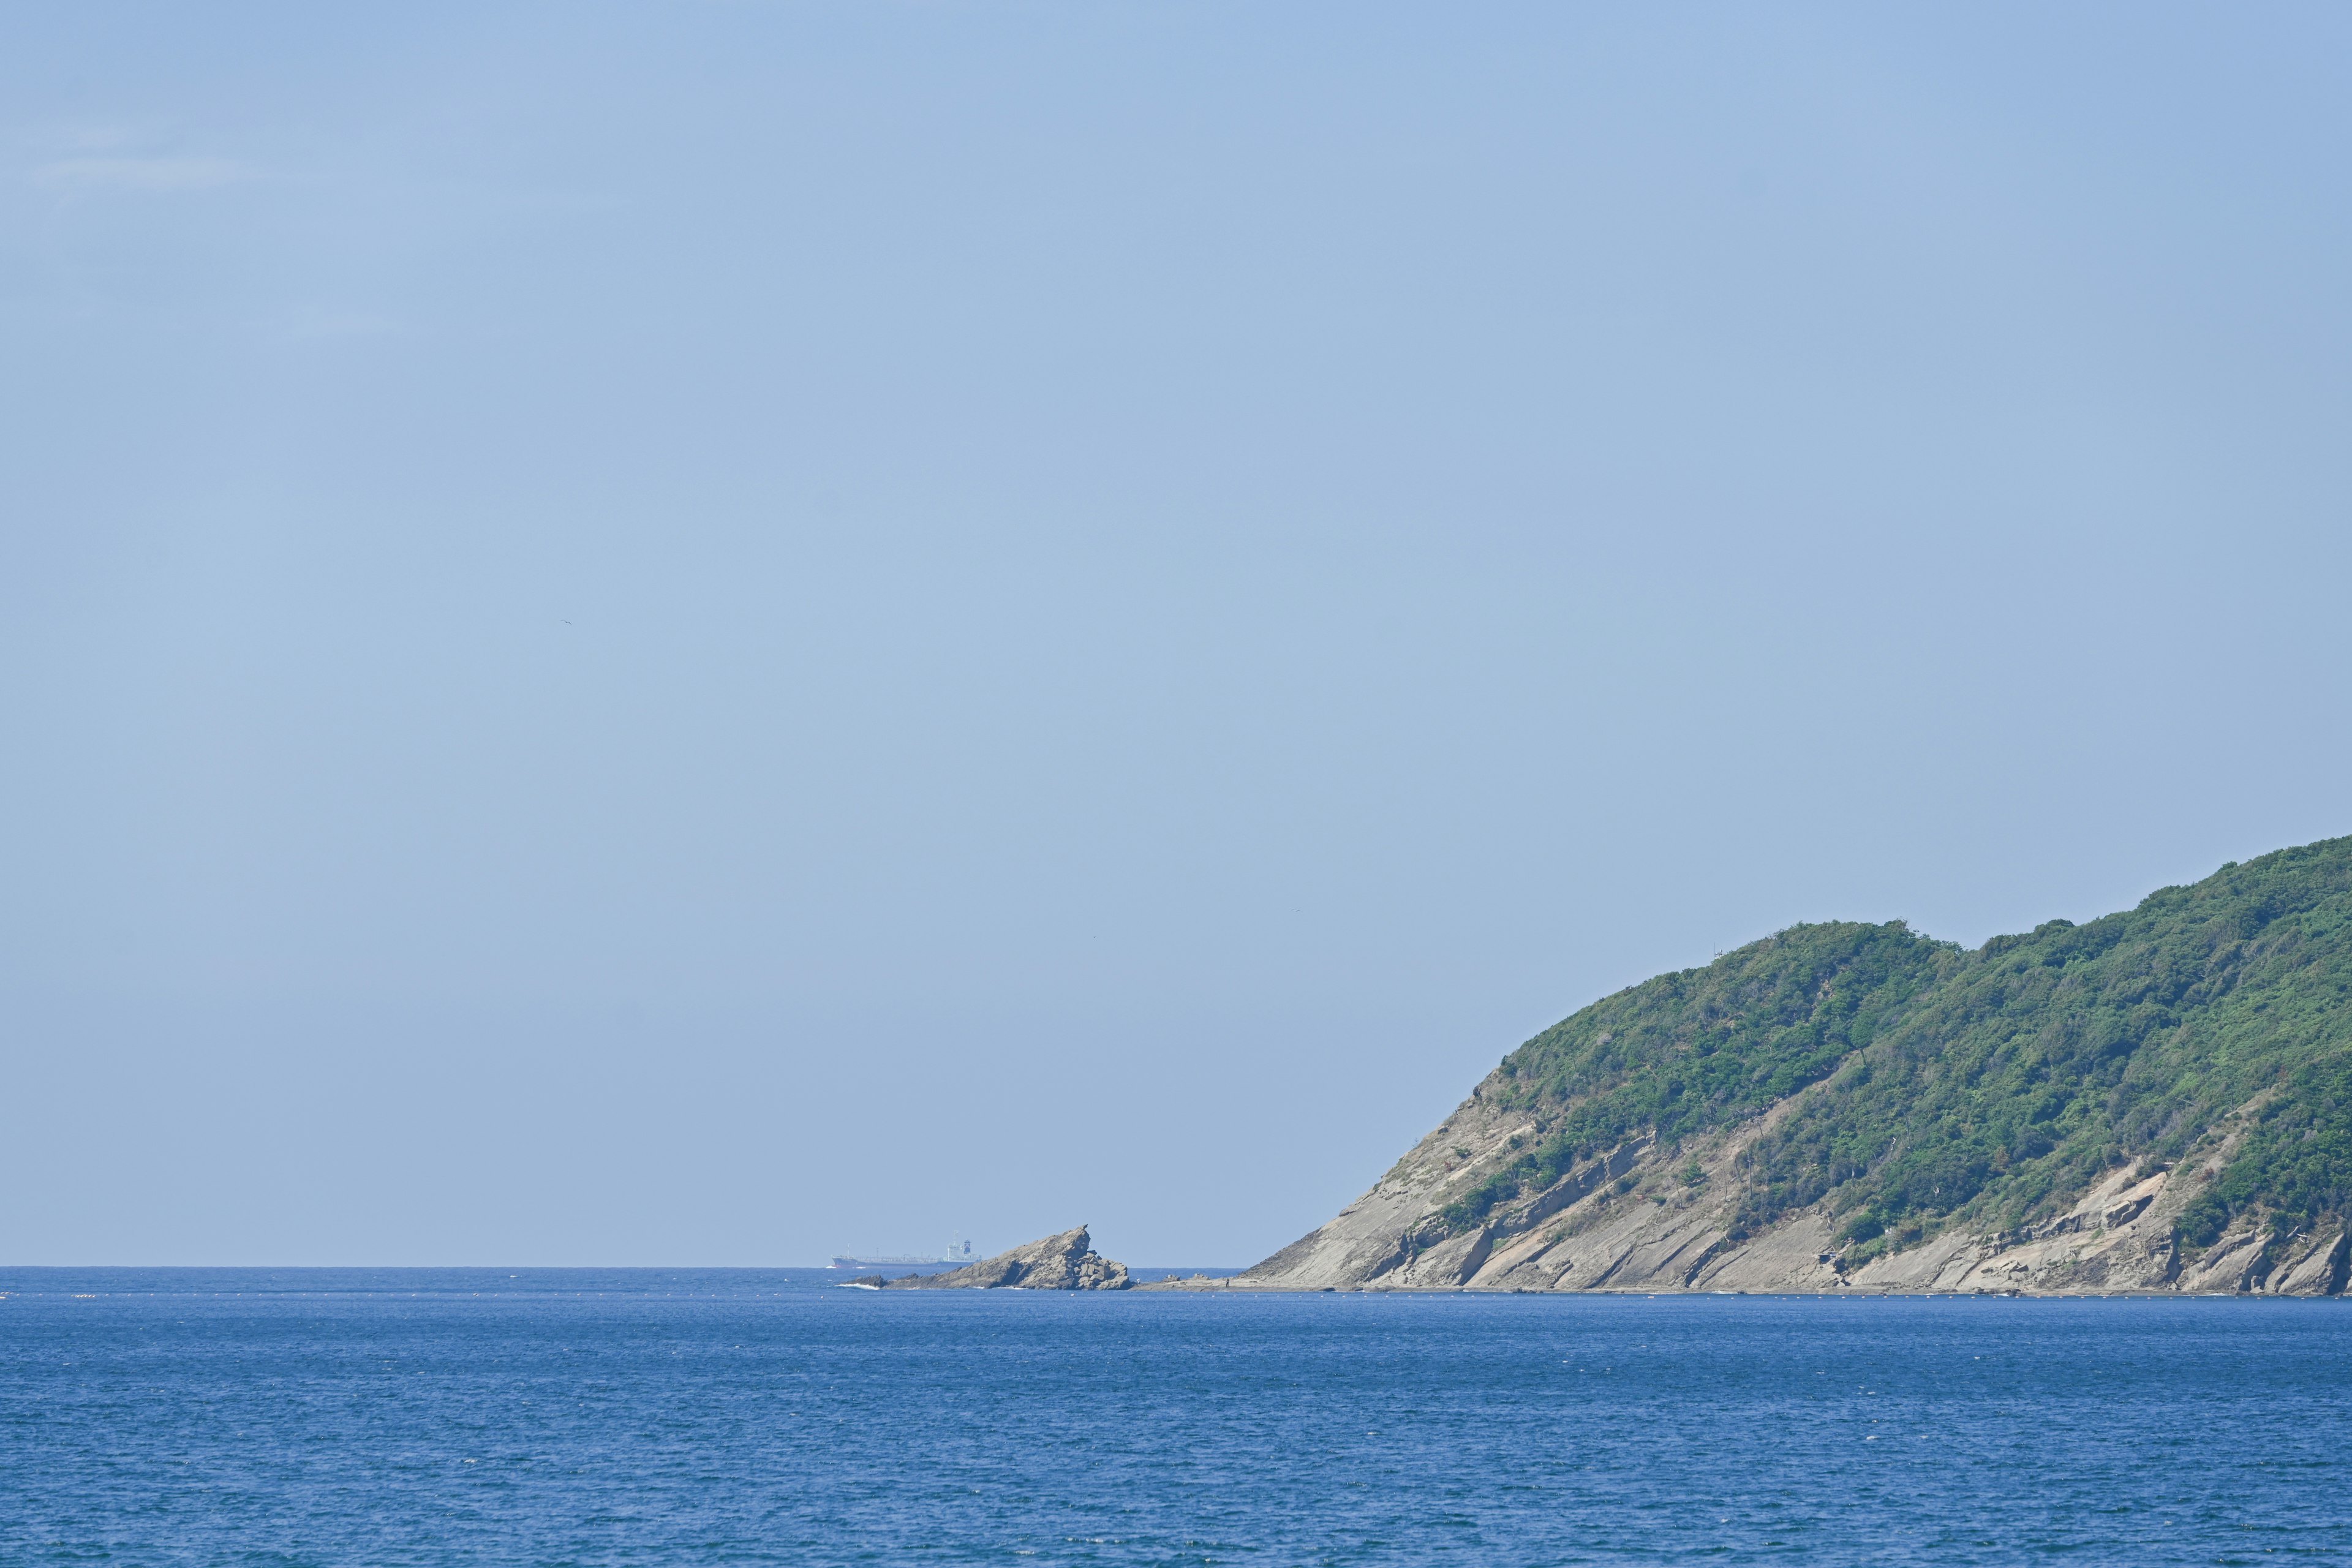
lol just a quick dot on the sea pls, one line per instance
(576, 1416)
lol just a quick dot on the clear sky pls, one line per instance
(706, 633)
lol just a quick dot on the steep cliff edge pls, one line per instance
(1063, 1262)
(2159, 1099)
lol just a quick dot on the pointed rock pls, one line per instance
(1063, 1262)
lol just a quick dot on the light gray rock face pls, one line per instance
(2316, 1269)
(1063, 1262)
(1642, 1218)
(1627, 1220)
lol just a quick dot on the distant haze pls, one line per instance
(707, 633)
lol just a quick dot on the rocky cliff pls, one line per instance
(2159, 1100)
(1063, 1262)
(1636, 1220)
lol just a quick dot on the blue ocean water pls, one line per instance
(590, 1417)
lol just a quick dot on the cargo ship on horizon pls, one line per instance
(959, 1252)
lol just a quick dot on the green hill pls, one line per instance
(1989, 1088)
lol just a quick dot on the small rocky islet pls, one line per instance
(1063, 1262)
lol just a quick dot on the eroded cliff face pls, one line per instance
(1639, 1219)
(1063, 1262)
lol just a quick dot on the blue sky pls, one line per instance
(700, 633)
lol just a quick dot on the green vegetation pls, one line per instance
(1685, 1053)
(1992, 1085)
(2296, 1163)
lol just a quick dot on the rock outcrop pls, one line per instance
(1063, 1262)
(1643, 1219)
